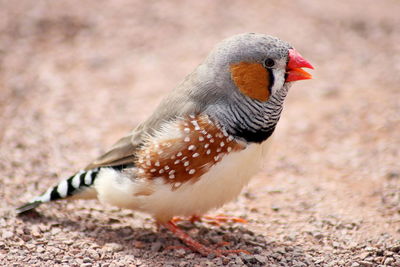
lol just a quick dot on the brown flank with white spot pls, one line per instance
(184, 159)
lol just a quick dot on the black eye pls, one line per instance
(269, 63)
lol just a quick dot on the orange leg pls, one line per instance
(196, 246)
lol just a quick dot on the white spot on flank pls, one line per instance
(201, 138)
(208, 152)
(184, 158)
(216, 158)
(148, 163)
(177, 161)
(157, 163)
(209, 136)
(173, 157)
(211, 140)
(186, 130)
(187, 139)
(171, 172)
(186, 163)
(191, 147)
(206, 145)
(222, 144)
(166, 167)
(192, 171)
(230, 138)
(161, 171)
(171, 176)
(219, 135)
(196, 125)
(153, 170)
(219, 149)
(62, 188)
(179, 154)
(195, 155)
(229, 149)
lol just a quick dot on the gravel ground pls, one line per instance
(77, 75)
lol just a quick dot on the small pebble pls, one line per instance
(365, 264)
(7, 234)
(115, 247)
(389, 261)
(261, 259)
(156, 246)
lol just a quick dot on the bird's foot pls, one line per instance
(221, 219)
(191, 219)
(214, 220)
(196, 246)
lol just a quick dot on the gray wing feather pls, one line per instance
(179, 103)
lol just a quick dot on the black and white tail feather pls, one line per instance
(74, 185)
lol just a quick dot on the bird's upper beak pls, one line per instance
(293, 70)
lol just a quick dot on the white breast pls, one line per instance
(221, 184)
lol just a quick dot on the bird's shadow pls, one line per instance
(136, 240)
(150, 244)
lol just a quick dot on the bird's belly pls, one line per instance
(222, 183)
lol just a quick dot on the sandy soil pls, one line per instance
(77, 75)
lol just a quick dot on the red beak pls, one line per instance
(293, 70)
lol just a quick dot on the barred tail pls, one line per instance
(66, 188)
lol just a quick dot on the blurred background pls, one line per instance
(77, 75)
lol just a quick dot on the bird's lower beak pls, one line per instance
(294, 71)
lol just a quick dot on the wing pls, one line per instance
(180, 103)
(120, 153)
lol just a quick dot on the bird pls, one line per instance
(203, 142)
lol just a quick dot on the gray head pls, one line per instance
(242, 84)
(250, 60)
(248, 76)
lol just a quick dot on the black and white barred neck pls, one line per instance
(252, 120)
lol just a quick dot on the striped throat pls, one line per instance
(249, 119)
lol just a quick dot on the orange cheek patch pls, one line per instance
(252, 79)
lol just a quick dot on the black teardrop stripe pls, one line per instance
(271, 80)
